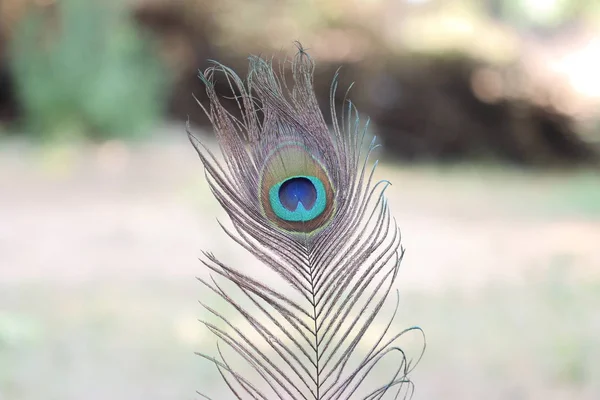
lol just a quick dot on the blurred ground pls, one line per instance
(97, 265)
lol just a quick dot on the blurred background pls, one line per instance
(489, 113)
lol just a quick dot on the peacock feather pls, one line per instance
(303, 201)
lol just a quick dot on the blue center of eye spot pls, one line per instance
(297, 190)
(298, 198)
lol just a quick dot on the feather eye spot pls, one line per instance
(298, 198)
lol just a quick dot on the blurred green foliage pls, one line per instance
(95, 77)
(541, 14)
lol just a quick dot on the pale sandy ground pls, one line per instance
(98, 258)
